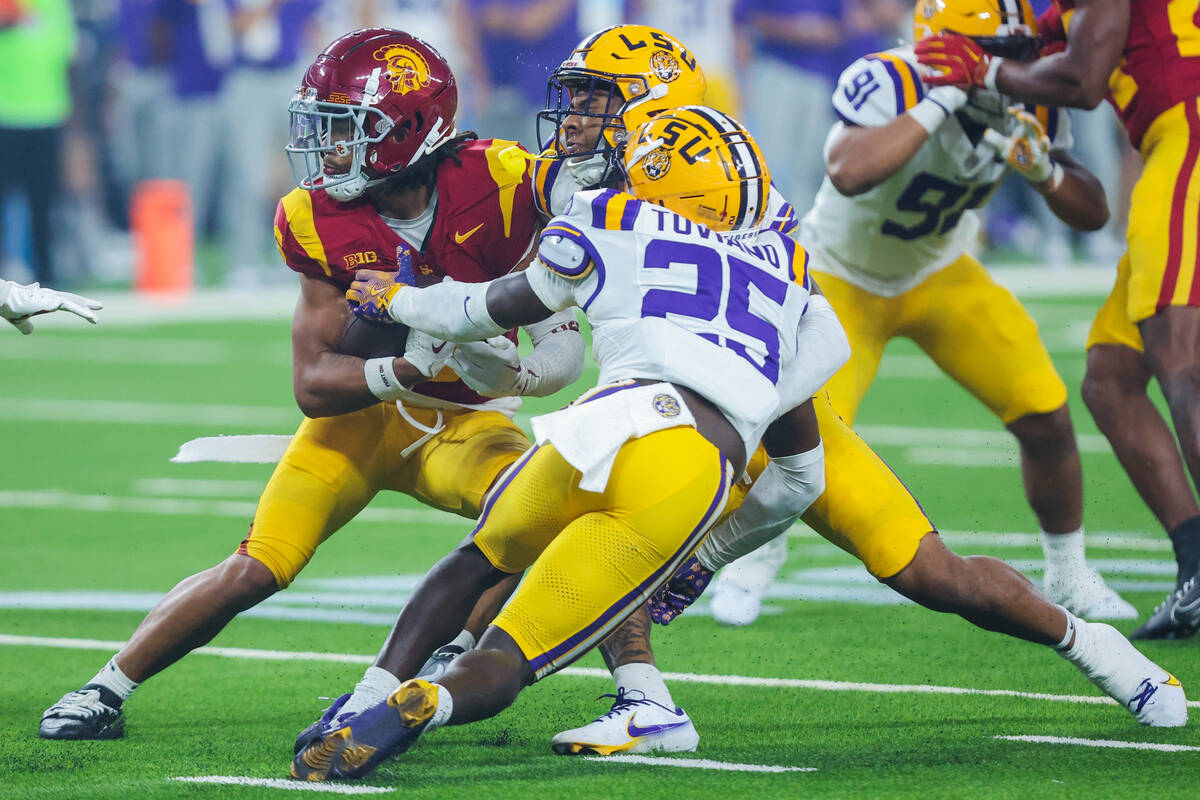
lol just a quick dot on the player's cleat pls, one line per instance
(633, 725)
(1084, 593)
(439, 662)
(1154, 696)
(1177, 617)
(364, 740)
(328, 722)
(82, 714)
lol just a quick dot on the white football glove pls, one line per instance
(18, 303)
(426, 353)
(491, 367)
(1027, 149)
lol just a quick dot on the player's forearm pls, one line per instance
(333, 384)
(456, 312)
(1078, 200)
(1078, 76)
(557, 358)
(863, 158)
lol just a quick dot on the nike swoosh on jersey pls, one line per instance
(439, 348)
(634, 731)
(459, 238)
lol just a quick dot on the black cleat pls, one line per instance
(82, 714)
(1177, 617)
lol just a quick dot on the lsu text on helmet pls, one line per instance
(379, 96)
(701, 164)
(613, 81)
(1006, 28)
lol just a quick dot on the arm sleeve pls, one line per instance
(557, 357)
(784, 490)
(454, 311)
(876, 89)
(821, 350)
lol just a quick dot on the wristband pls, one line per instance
(382, 380)
(929, 114)
(989, 78)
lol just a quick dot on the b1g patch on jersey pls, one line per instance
(666, 405)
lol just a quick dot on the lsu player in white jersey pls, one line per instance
(865, 508)
(891, 232)
(698, 340)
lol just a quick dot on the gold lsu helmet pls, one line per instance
(644, 69)
(1006, 28)
(702, 164)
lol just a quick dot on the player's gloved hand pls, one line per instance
(18, 303)
(1027, 149)
(371, 293)
(957, 61)
(491, 367)
(426, 353)
(684, 588)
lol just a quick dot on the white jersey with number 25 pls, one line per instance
(671, 300)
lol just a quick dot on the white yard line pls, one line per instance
(695, 763)
(1165, 748)
(590, 672)
(281, 783)
(53, 498)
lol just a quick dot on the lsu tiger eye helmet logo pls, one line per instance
(665, 66)
(406, 69)
(657, 163)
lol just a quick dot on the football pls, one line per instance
(372, 339)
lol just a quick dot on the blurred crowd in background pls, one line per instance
(99, 96)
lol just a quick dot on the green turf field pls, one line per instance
(834, 680)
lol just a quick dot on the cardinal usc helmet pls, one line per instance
(613, 81)
(701, 164)
(1006, 28)
(378, 95)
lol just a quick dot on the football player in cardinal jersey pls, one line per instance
(384, 181)
(1146, 57)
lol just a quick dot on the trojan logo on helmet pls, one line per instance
(407, 70)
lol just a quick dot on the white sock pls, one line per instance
(1064, 551)
(445, 707)
(112, 678)
(646, 679)
(465, 640)
(376, 685)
